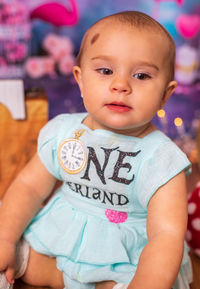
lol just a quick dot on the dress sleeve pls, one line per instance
(47, 146)
(166, 162)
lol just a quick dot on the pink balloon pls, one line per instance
(179, 2)
(188, 25)
(56, 14)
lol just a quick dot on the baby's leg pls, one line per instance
(42, 271)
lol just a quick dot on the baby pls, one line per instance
(120, 216)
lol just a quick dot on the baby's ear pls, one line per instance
(78, 76)
(168, 92)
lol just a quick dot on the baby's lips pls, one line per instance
(118, 107)
(118, 104)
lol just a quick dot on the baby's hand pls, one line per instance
(7, 259)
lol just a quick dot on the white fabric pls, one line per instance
(185, 276)
(4, 283)
(22, 256)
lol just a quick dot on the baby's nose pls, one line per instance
(120, 85)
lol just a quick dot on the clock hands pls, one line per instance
(74, 146)
(73, 150)
(78, 158)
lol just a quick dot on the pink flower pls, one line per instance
(13, 13)
(34, 67)
(57, 46)
(66, 64)
(39, 66)
(2, 61)
(15, 51)
(49, 64)
(50, 41)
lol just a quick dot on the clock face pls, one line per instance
(72, 156)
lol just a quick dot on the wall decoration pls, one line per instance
(16, 18)
(56, 13)
(187, 64)
(188, 25)
(15, 34)
(60, 58)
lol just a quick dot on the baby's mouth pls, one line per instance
(118, 106)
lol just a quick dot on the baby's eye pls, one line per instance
(141, 76)
(105, 71)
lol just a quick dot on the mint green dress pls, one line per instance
(95, 224)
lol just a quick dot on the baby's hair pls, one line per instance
(138, 20)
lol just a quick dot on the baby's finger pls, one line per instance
(10, 273)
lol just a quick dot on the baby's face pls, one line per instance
(123, 77)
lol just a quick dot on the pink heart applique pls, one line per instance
(188, 25)
(115, 216)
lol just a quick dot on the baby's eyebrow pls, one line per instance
(102, 57)
(94, 38)
(145, 63)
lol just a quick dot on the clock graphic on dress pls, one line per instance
(72, 155)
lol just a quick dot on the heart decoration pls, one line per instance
(188, 25)
(116, 216)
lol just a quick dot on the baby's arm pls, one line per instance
(166, 225)
(20, 203)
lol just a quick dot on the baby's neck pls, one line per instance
(143, 131)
